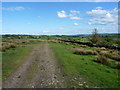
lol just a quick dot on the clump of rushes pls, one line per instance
(85, 52)
(112, 55)
(115, 55)
(12, 45)
(117, 65)
(7, 46)
(103, 60)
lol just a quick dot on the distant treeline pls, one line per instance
(59, 36)
(26, 37)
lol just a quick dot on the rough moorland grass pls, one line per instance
(85, 52)
(13, 58)
(113, 55)
(5, 46)
(103, 60)
(95, 73)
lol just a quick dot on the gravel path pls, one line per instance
(47, 73)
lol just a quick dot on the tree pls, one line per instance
(95, 38)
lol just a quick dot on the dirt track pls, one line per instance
(47, 73)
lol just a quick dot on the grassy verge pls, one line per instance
(94, 73)
(14, 57)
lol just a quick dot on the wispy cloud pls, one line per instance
(13, 8)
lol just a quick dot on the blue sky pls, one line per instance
(50, 18)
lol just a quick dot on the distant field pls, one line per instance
(95, 74)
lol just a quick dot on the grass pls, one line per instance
(34, 68)
(13, 58)
(95, 74)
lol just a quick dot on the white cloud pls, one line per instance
(97, 12)
(98, 8)
(89, 23)
(76, 24)
(73, 14)
(103, 17)
(75, 18)
(13, 8)
(115, 10)
(62, 14)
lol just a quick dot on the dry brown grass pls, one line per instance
(85, 52)
(112, 54)
(83, 45)
(117, 65)
(7, 46)
(12, 43)
(99, 49)
(103, 60)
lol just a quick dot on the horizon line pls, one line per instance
(58, 34)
